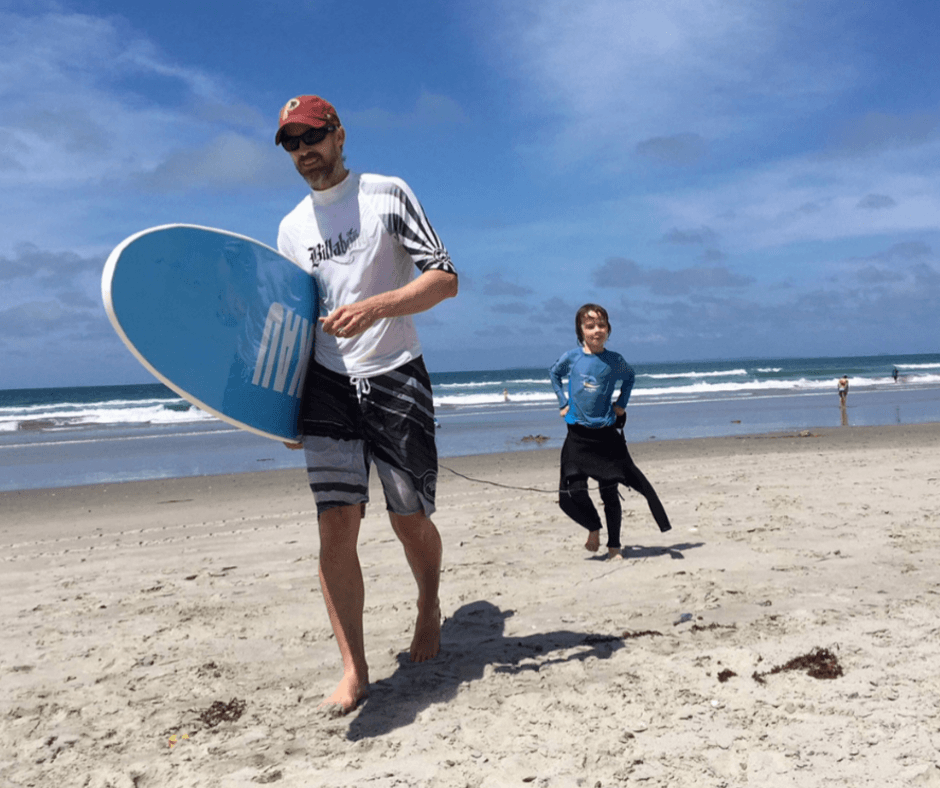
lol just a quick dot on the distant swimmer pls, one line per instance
(895, 374)
(843, 388)
(505, 395)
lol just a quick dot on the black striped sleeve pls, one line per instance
(405, 220)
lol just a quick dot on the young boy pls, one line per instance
(595, 448)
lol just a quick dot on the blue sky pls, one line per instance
(730, 178)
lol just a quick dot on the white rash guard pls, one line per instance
(363, 237)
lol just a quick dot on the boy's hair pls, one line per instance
(580, 316)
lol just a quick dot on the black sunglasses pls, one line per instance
(309, 137)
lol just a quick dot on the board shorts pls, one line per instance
(350, 423)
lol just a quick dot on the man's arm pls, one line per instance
(422, 293)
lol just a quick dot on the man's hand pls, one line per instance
(419, 295)
(349, 320)
(564, 411)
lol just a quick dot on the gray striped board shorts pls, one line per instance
(350, 423)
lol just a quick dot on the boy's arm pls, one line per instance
(557, 372)
(626, 388)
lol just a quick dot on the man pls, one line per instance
(368, 395)
(843, 388)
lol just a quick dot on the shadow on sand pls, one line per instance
(676, 552)
(470, 640)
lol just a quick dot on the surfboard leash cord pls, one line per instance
(504, 486)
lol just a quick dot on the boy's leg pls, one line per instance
(344, 595)
(574, 501)
(422, 544)
(610, 495)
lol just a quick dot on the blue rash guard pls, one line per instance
(592, 381)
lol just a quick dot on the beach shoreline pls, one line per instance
(22, 502)
(125, 439)
(171, 632)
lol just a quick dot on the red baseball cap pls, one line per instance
(309, 110)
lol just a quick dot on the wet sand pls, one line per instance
(784, 633)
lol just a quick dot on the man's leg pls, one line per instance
(344, 594)
(422, 543)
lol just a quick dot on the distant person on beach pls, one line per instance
(895, 374)
(368, 394)
(843, 388)
(595, 447)
(505, 395)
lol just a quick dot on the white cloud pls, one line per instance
(32, 318)
(622, 273)
(75, 109)
(875, 202)
(866, 307)
(430, 109)
(877, 131)
(812, 198)
(906, 250)
(677, 149)
(497, 286)
(643, 70)
(228, 161)
(703, 235)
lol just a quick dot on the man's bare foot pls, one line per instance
(594, 541)
(426, 642)
(614, 554)
(346, 696)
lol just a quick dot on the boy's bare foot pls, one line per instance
(614, 554)
(426, 642)
(346, 696)
(593, 542)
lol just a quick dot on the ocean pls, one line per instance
(59, 437)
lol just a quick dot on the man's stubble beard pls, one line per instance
(321, 178)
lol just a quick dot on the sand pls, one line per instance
(786, 632)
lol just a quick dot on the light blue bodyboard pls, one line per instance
(225, 321)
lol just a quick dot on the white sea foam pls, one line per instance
(797, 385)
(525, 397)
(700, 389)
(494, 383)
(671, 375)
(526, 389)
(48, 417)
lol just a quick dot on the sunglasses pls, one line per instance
(309, 137)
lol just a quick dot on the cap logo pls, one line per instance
(289, 107)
